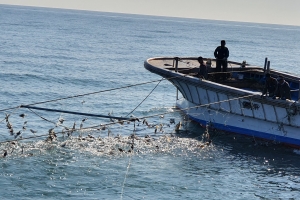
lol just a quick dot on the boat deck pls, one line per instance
(238, 75)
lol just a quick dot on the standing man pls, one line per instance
(202, 69)
(221, 54)
(283, 90)
(270, 86)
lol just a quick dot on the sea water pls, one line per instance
(92, 62)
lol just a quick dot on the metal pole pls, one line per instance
(299, 91)
(268, 67)
(176, 70)
(75, 113)
(176, 64)
(265, 66)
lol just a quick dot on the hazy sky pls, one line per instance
(262, 11)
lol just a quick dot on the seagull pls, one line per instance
(11, 131)
(121, 122)
(33, 131)
(102, 127)
(63, 144)
(49, 138)
(110, 114)
(178, 126)
(18, 133)
(172, 121)
(5, 153)
(145, 122)
(72, 130)
(90, 136)
(9, 126)
(53, 135)
(51, 130)
(6, 117)
(61, 120)
(22, 115)
(161, 127)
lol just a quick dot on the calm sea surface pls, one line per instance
(92, 62)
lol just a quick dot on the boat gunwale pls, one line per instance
(216, 87)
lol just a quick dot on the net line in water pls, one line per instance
(69, 130)
(51, 135)
(156, 128)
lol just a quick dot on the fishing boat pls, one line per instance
(235, 104)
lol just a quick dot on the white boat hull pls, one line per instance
(246, 125)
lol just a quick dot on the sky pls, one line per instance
(284, 12)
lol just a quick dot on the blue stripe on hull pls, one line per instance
(289, 141)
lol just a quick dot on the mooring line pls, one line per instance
(145, 98)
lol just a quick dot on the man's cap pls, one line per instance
(200, 58)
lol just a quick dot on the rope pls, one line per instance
(81, 95)
(86, 94)
(203, 105)
(145, 98)
(129, 163)
(128, 166)
(16, 108)
(42, 117)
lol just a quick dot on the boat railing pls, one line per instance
(237, 75)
